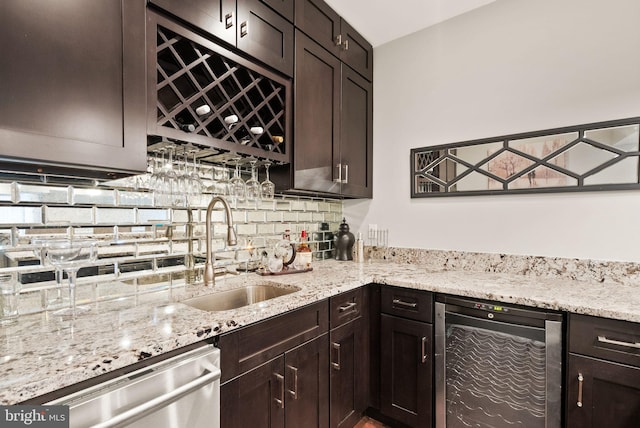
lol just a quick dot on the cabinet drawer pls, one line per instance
(248, 347)
(345, 307)
(612, 340)
(407, 303)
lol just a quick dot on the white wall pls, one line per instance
(512, 66)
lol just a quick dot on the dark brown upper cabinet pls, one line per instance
(283, 7)
(217, 17)
(327, 28)
(265, 35)
(333, 129)
(256, 27)
(72, 84)
(188, 71)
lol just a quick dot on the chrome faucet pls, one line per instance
(209, 268)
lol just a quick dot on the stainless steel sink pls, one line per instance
(238, 297)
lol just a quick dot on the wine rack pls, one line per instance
(205, 94)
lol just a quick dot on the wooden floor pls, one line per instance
(367, 422)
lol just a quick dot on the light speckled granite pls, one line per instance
(545, 267)
(40, 353)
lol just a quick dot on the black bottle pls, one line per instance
(344, 242)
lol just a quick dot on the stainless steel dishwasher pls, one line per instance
(496, 365)
(182, 391)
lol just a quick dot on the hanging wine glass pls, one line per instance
(252, 184)
(195, 183)
(174, 197)
(267, 187)
(237, 187)
(183, 180)
(71, 255)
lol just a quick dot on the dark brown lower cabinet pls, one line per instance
(348, 374)
(251, 400)
(406, 370)
(288, 391)
(602, 394)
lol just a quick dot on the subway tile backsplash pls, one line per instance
(143, 245)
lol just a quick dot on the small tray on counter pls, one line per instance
(284, 271)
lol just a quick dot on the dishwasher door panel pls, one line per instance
(181, 391)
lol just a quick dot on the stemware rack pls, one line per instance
(240, 98)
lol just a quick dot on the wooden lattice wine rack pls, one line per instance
(191, 72)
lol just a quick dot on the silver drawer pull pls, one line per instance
(336, 365)
(294, 391)
(405, 304)
(604, 339)
(424, 349)
(348, 306)
(280, 401)
(580, 381)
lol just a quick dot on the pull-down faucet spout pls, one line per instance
(209, 268)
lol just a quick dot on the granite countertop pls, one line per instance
(42, 353)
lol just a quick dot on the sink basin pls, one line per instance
(238, 297)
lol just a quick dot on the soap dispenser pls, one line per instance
(344, 242)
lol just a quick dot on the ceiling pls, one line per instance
(379, 23)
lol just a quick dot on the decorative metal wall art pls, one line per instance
(598, 156)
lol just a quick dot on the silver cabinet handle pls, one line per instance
(244, 28)
(399, 302)
(345, 45)
(580, 382)
(294, 391)
(335, 365)
(164, 400)
(338, 40)
(424, 349)
(339, 168)
(228, 20)
(280, 401)
(346, 174)
(603, 339)
(345, 308)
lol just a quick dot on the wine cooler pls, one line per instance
(496, 365)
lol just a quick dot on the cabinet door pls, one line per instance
(348, 374)
(72, 83)
(283, 7)
(356, 136)
(406, 382)
(265, 35)
(319, 22)
(356, 52)
(307, 385)
(256, 398)
(316, 117)
(217, 17)
(608, 393)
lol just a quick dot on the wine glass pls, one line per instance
(183, 180)
(174, 196)
(40, 251)
(252, 184)
(194, 177)
(71, 255)
(237, 187)
(267, 188)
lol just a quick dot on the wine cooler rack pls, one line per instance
(209, 96)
